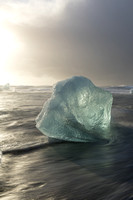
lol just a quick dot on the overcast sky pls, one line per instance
(62, 38)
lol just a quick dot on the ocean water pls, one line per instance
(33, 167)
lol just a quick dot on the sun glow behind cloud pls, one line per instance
(29, 12)
(9, 46)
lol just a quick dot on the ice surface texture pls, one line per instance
(77, 111)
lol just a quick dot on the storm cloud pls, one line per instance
(85, 37)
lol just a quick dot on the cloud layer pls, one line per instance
(91, 38)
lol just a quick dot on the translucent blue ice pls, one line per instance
(76, 111)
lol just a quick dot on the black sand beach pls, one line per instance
(33, 167)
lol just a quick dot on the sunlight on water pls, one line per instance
(33, 167)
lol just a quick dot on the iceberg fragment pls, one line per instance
(77, 111)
